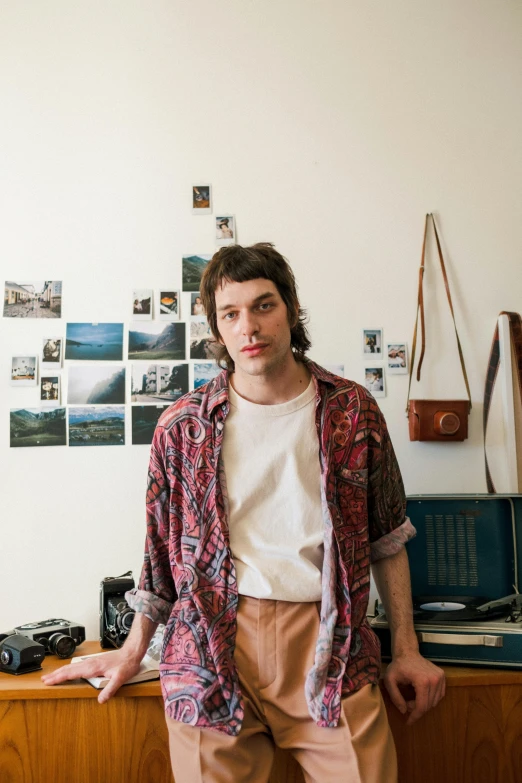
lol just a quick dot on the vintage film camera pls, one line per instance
(116, 616)
(19, 655)
(59, 637)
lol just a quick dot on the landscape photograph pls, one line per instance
(154, 341)
(36, 427)
(97, 426)
(144, 420)
(159, 382)
(94, 342)
(204, 372)
(96, 385)
(192, 267)
(202, 342)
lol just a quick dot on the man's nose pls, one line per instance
(249, 324)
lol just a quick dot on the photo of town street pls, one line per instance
(33, 300)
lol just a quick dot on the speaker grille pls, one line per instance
(451, 550)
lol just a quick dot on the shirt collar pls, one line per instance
(217, 389)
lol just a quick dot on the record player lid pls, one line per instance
(465, 545)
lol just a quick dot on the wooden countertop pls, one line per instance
(30, 686)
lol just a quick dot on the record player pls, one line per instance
(464, 565)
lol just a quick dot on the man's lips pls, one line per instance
(252, 350)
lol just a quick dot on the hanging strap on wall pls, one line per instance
(420, 311)
(515, 333)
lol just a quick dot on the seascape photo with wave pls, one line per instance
(94, 384)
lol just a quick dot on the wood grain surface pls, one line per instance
(60, 734)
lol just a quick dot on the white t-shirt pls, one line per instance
(273, 476)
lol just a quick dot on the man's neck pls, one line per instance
(281, 385)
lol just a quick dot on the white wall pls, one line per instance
(329, 128)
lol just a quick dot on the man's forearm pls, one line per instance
(392, 578)
(139, 637)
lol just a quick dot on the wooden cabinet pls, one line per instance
(62, 735)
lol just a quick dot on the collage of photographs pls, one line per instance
(383, 359)
(167, 342)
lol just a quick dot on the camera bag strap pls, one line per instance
(515, 332)
(420, 311)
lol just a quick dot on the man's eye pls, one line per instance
(265, 306)
(228, 316)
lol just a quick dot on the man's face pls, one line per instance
(252, 320)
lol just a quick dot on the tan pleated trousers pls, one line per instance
(274, 652)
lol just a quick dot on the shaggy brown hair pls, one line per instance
(237, 264)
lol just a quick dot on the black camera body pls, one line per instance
(19, 655)
(59, 637)
(116, 616)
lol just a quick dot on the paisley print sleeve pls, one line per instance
(388, 524)
(156, 592)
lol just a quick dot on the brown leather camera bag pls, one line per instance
(445, 420)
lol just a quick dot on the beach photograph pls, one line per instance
(36, 427)
(96, 385)
(37, 299)
(94, 342)
(159, 382)
(144, 420)
(192, 267)
(97, 426)
(152, 341)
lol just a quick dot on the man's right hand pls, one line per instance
(117, 666)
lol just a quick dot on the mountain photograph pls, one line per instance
(153, 341)
(97, 426)
(192, 267)
(35, 427)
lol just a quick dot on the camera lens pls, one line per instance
(126, 618)
(61, 645)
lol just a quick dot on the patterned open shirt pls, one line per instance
(188, 580)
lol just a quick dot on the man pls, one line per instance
(270, 490)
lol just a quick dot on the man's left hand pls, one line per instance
(427, 680)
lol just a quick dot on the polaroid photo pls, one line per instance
(157, 341)
(197, 309)
(153, 383)
(226, 230)
(37, 299)
(142, 304)
(202, 199)
(204, 372)
(49, 390)
(51, 357)
(374, 381)
(202, 342)
(96, 384)
(336, 369)
(37, 427)
(24, 370)
(372, 343)
(94, 342)
(192, 268)
(144, 420)
(169, 305)
(97, 426)
(397, 358)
